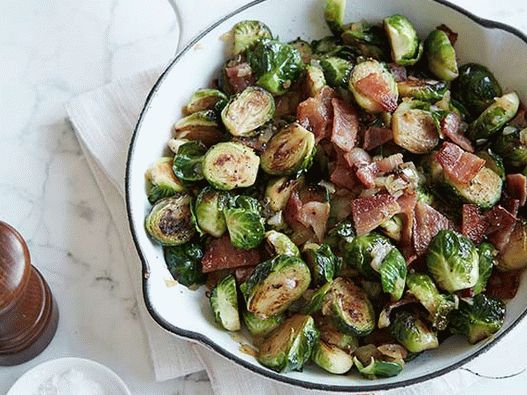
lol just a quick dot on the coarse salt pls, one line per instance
(70, 382)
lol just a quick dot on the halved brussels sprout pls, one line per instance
(188, 161)
(278, 191)
(372, 363)
(281, 244)
(340, 235)
(199, 126)
(392, 227)
(414, 127)
(245, 223)
(393, 274)
(209, 208)
(373, 87)
(317, 299)
(314, 80)
(429, 90)
(331, 335)
(406, 46)
(230, 165)
(487, 261)
(328, 45)
(494, 117)
(247, 33)
(306, 52)
(493, 162)
(441, 55)
(370, 40)
(324, 265)
(247, 111)
(439, 306)
(224, 303)
(289, 152)
(161, 180)
(275, 284)
(331, 358)
(184, 263)
(336, 71)
(352, 311)
(261, 326)
(512, 145)
(413, 333)
(514, 255)
(289, 346)
(453, 261)
(204, 99)
(169, 222)
(334, 15)
(476, 87)
(479, 319)
(277, 65)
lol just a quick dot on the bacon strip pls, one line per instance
(345, 125)
(369, 212)
(501, 226)
(450, 128)
(473, 224)
(315, 215)
(503, 285)
(240, 76)
(316, 113)
(221, 254)
(375, 137)
(407, 203)
(427, 223)
(459, 165)
(374, 87)
(517, 187)
(357, 158)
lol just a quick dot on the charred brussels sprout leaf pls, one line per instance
(169, 222)
(487, 261)
(331, 358)
(405, 44)
(184, 263)
(224, 303)
(161, 180)
(230, 165)
(188, 161)
(336, 71)
(514, 255)
(317, 299)
(372, 363)
(289, 346)
(204, 99)
(304, 48)
(370, 40)
(340, 235)
(511, 144)
(245, 223)
(277, 65)
(413, 333)
(334, 15)
(323, 263)
(453, 261)
(441, 55)
(261, 326)
(494, 117)
(479, 319)
(278, 191)
(476, 88)
(247, 33)
(289, 152)
(275, 284)
(281, 244)
(429, 90)
(208, 209)
(247, 111)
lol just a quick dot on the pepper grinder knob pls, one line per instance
(28, 312)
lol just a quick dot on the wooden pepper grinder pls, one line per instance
(28, 312)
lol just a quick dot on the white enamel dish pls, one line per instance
(187, 313)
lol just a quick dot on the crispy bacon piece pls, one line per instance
(357, 158)
(374, 87)
(503, 285)
(240, 76)
(459, 165)
(315, 215)
(370, 212)
(501, 225)
(517, 187)
(243, 273)
(221, 254)
(398, 72)
(427, 223)
(345, 125)
(316, 113)
(473, 224)
(520, 119)
(390, 163)
(450, 128)
(407, 203)
(287, 103)
(375, 137)
(292, 210)
(343, 177)
(366, 174)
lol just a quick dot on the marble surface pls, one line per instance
(50, 51)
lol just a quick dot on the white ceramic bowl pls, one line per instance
(187, 313)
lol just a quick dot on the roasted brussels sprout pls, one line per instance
(331, 335)
(373, 363)
(336, 71)
(281, 244)
(392, 227)
(245, 223)
(314, 80)
(393, 274)
(204, 99)
(247, 111)
(452, 260)
(206, 119)
(493, 162)
(340, 235)
(501, 111)
(370, 40)
(306, 52)
(439, 306)
(247, 33)
(328, 46)
(512, 145)
(317, 299)
(424, 196)
(428, 90)
(487, 261)
(324, 265)
(208, 209)
(289, 152)
(441, 55)
(277, 65)
(184, 263)
(230, 165)
(514, 255)
(261, 326)
(404, 42)
(161, 181)
(188, 161)
(479, 319)
(412, 332)
(275, 284)
(278, 191)
(224, 303)
(414, 127)
(334, 15)
(289, 346)
(475, 88)
(331, 358)
(169, 222)
(367, 75)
